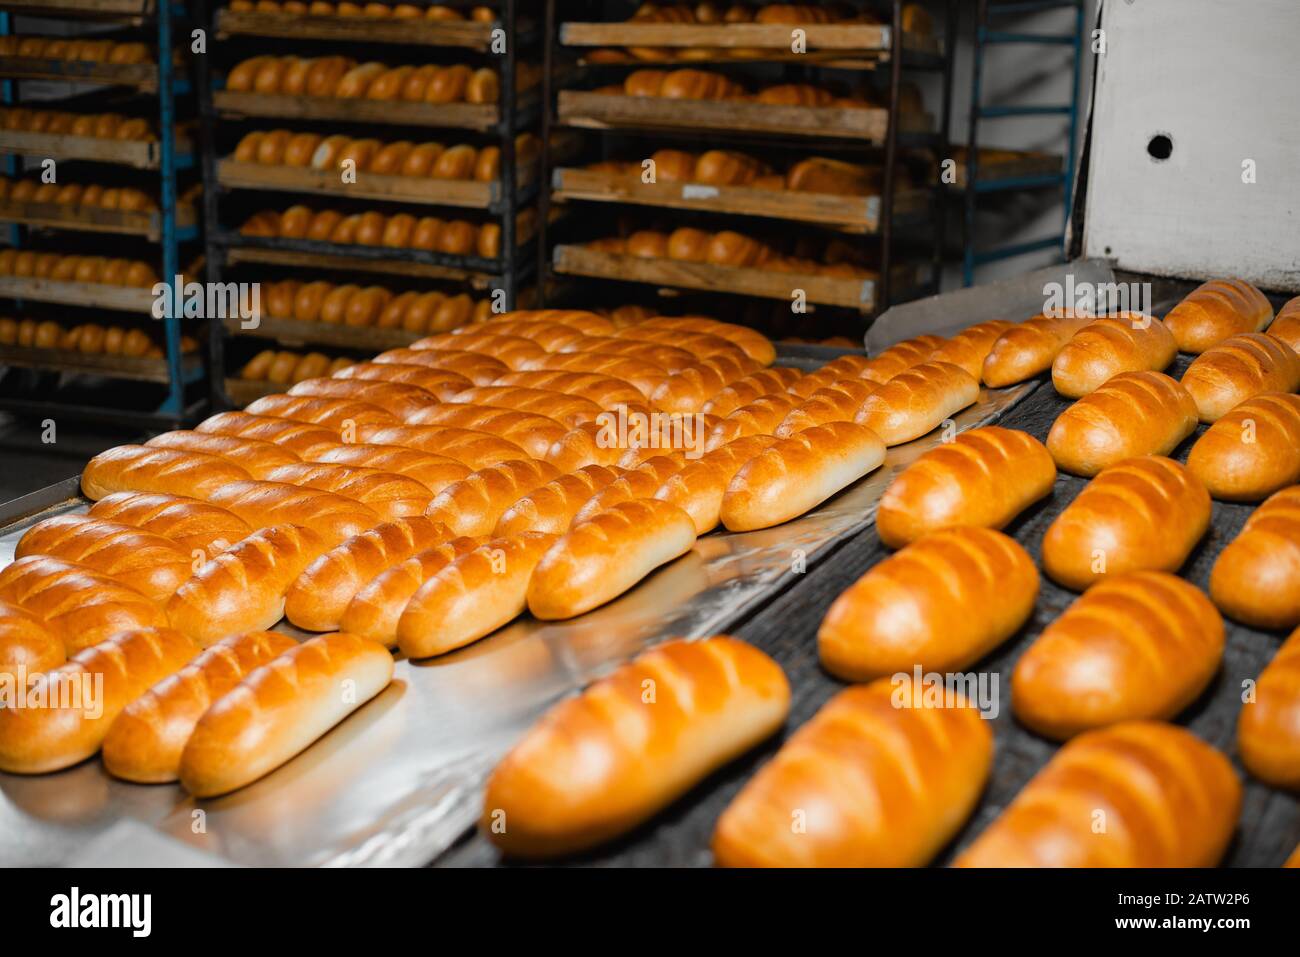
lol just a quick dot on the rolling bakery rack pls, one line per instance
(238, 188)
(635, 126)
(159, 90)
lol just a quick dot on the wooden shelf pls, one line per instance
(857, 214)
(136, 368)
(244, 391)
(94, 295)
(142, 76)
(591, 110)
(1022, 164)
(92, 219)
(108, 9)
(293, 332)
(139, 155)
(345, 260)
(437, 33)
(470, 116)
(408, 189)
(850, 37)
(856, 294)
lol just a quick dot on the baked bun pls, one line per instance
(1256, 578)
(1252, 451)
(1217, 310)
(1107, 347)
(1266, 738)
(1239, 368)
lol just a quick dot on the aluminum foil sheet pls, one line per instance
(401, 779)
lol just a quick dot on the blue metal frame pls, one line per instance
(971, 258)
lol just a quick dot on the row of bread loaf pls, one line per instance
(56, 267)
(59, 48)
(126, 198)
(104, 126)
(455, 237)
(692, 84)
(87, 337)
(816, 174)
(724, 248)
(366, 155)
(344, 8)
(343, 78)
(282, 367)
(372, 306)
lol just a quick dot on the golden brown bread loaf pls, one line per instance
(401, 400)
(754, 344)
(1286, 326)
(698, 487)
(551, 507)
(145, 741)
(1240, 368)
(606, 391)
(299, 438)
(970, 347)
(27, 646)
(1104, 348)
(439, 382)
(535, 434)
(837, 402)
(149, 563)
(139, 468)
(71, 729)
(1252, 451)
(1266, 728)
(1137, 646)
(198, 528)
(474, 505)
(643, 375)
(1028, 348)
(256, 457)
(1136, 794)
(472, 597)
(900, 357)
(1142, 514)
(798, 474)
(984, 478)
(334, 414)
(317, 598)
(389, 495)
(476, 450)
(583, 445)
(602, 557)
(837, 370)
(1256, 578)
(1216, 310)
(434, 472)
(330, 516)
(917, 401)
(941, 604)
(851, 756)
(763, 416)
(280, 709)
(598, 764)
(565, 409)
(1131, 414)
(751, 387)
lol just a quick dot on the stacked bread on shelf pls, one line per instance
(397, 11)
(103, 126)
(371, 306)
(455, 237)
(281, 367)
(125, 198)
(400, 158)
(88, 338)
(816, 174)
(342, 78)
(725, 248)
(692, 84)
(27, 263)
(78, 50)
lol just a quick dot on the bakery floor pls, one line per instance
(1268, 826)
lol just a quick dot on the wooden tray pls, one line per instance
(293, 332)
(584, 108)
(94, 295)
(856, 214)
(470, 116)
(1023, 164)
(342, 261)
(436, 33)
(91, 219)
(116, 367)
(62, 146)
(408, 189)
(851, 37)
(857, 294)
(142, 76)
(108, 9)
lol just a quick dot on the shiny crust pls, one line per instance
(478, 368)
(984, 478)
(1240, 368)
(476, 450)
(551, 507)
(1106, 347)
(263, 504)
(434, 472)
(1252, 451)
(919, 769)
(1143, 514)
(400, 399)
(139, 468)
(751, 387)
(917, 401)
(639, 482)
(754, 344)
(298, 437)
(606, 391)
(474, 505)
(970, 347)
(192, 525)
(1266, 728)
(389, 495)
(1256, 578)
(915, 608)
(437, 382)
(535, 434)
(1028, 348)
(1131, 414)
(598, 764)
(699, 486)
(761, 417)
(1134, 647)
(256, 457)
(333, 414)
(1216, 310)
(566, 409)
(1166, 797)
(27, 646)
(837, 402)
(1286, 326)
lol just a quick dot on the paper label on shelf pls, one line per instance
(696, 191)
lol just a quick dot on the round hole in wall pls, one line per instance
(1160, 146)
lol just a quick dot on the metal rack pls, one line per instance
(880, 134)
(515, 112)
(1029, 178)
(173, 224)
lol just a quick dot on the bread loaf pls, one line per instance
(639, 482)
(1216, 310)
(478, 368)
(476, 450)
(900, 357)
(1142, 514)
(473, 505)
(600, 558)
(317, 598)
(837, 402)
(643, 375)
(984, 478)
(144, 743)
(440, 383)
(1106, 347)
(389, 495)
(198, 528)
(751, 387)
(334, 414)
(597, 765)
(330, 516)
(472, 597)
(606, 391)
(763, 416)
(149, 563)
(139, 468)
(699, 486)
(754, 344)
(535, 434)
(1136, 646)
(797, 474)
(434, 472)
(1161, 795)
(400, 399)
(1028, 348)
(1286, 327)
(1240, 368)
(256, 457)
(917, 401)
(298, 437)
(1256, 578)
(586, 444)
(1252, 451)
(280, 709)
(551, 507)
(1266, 728)
(851, 756)
(567, 410)
(27, 646)
(1131, 414)
(940, 604)
(970, 347)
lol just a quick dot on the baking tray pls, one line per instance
(786, 628)
(400, 781)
